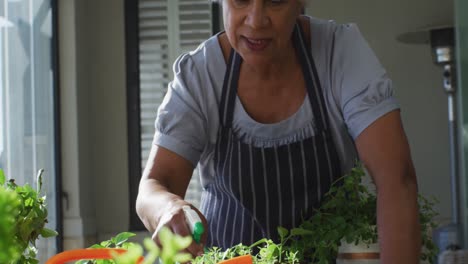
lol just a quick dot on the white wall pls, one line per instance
(78, 205)
(94, 122)
(109, 109)
(417, 81)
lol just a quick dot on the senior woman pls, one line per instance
(273, 110)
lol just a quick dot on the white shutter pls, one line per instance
(154, 66)
(167, 28)
(195, 23)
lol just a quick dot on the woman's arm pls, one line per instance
(384, 150)
(161, 192)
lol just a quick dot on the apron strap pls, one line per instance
(314, 89)
(228, 96)
(312, 79)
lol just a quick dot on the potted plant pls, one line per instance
(346, 218)
(347, 221)
(23, 215)
(9, 209)
(118, 250)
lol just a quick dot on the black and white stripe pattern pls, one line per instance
(258, 189)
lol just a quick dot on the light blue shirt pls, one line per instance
(356, 89)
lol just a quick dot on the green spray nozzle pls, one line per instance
(194, 222)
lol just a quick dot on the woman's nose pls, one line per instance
(257, 16)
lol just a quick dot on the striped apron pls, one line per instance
(258, 189)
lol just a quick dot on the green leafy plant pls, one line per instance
(171, 252)
(268, 252)
(426, 218)
(119, 241)
(347, 213)
(29, 212)
(9, 210)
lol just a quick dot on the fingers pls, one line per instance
(183, 229)
(171, 220)
(205, 225)
(176, 222)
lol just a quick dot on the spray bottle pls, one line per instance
(194, 222)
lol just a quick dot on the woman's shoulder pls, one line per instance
(334, 43)
(329, 31)
(316, 27)
(201, 67)
(207, 52)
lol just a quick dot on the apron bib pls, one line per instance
(258, 189)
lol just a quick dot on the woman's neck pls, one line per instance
(278, 69)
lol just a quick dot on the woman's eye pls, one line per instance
(241, 3)
(275, 2)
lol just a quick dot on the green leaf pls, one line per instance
(164, 235)
(272, 250)
(283, 232)
(29, 202)
(133, 253)
(153, 251)
(2, 177)
(46, 232)
(182, 257)
(182, 242)
(97, 246)
(122, 237)
(301, 232)
(107, 243)
(151, 246)
(39, 180)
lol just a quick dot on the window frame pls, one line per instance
(132, 54)
(57, 125)
(56, 188)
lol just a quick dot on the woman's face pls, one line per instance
(260, 30)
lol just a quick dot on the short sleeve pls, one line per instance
(180, 125)
(361, 86)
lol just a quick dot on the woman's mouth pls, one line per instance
(256, 44)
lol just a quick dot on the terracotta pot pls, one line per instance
(354, 254)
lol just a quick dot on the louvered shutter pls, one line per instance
(166, 29)
(195, 23)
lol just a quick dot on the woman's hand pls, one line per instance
(160, 196)
(176, 221)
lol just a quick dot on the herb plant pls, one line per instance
(9, 210)
(171, 252)
(119, 241)
(347, 213)
(29, 212)
(268, 251)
